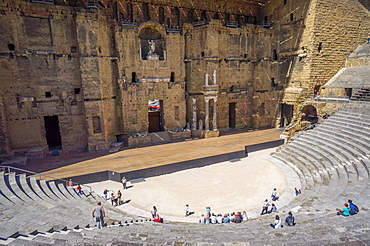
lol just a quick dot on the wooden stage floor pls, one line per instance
(128, 160)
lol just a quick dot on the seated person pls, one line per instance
(277, 223)
(157, 219)
(344, 211)
(353, 208)
(289, 221)
(273, 208)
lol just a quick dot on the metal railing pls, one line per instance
(9, 168)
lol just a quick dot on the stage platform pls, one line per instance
(154, 160)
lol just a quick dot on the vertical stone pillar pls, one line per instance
(214, 114)
(214, 77)
(206, 79)
(207, 114)
(194, 127)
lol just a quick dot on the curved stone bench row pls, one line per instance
(311, 229)
(335, 155)
(38, 206)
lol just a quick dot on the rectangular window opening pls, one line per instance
(96, 124)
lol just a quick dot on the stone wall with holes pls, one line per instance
(40, 76)
(242, 59)
(312, 40)
(90, 66)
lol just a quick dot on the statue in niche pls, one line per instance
(201, 125)
(151, 47)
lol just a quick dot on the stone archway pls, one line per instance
(309, 113)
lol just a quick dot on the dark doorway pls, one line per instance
(232, 115)
(53, 137)
(348, 92)
(155, 115)
(286, 114)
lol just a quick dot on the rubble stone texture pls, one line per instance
(76, 75)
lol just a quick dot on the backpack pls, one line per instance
(356, 208)
(290, 221)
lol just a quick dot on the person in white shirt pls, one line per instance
(265, 207)
(186, 210)
(219, 218)
(274, 195)
(202, 219)
(213, 219)
(277, 223)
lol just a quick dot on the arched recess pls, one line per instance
(150, 32)
(309, 113)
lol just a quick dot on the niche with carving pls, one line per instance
(152, 42)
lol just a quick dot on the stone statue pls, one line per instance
(151, 47)
(200, 125)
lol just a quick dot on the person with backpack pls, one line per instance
(353, 208)
(289, 221)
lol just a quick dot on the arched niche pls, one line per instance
(309, 113)
(152, 41)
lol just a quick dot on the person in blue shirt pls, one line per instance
(344, 211)
(353, 208)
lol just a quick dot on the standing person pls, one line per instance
(289, 221)
(124, 182)
(274, 195)
(70, 183)
(265, 207)
(98, 213)
(277, 223)
(154, 212)
(113, 199)
(79, 189)
(119, 197)
(208, 211)
(186, 210)
(105, 194)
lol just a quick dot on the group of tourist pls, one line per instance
(116, 200)
(349, 209)
(211, 218)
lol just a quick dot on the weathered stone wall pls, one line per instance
(90, 66)
(314, 38)
(40, 74)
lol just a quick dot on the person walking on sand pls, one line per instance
(124, 182)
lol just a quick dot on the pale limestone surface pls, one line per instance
(225, 187)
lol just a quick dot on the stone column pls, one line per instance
(214, 77)
(214, 115)
(207, 114)
(206, 79)
(194, 127)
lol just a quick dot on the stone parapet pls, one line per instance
(205, 134)
(179, 135)
(133, 142)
